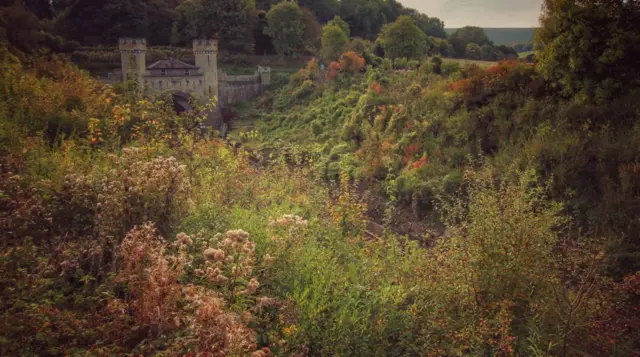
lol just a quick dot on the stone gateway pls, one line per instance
(182, 79)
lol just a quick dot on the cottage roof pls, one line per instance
(171, 64)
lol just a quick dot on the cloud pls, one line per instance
(484, 13)
(492, 5)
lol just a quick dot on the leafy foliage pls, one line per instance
(228, 20)
(338, 21)
(589, 47)
(127, 230)
(403, 39)
(334, 42)
(466, 35)
(286, 27)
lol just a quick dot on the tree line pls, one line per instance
(243, 26)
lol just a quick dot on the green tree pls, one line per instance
(403, 39)
(466, 35)
(263, 42)
(175, 35)
(312, 31)
(160, 19)
(431, 26)
(508, 52)
(338, 21)
(20, 30)
(490, 53)
(92, 22)
(334, 42)
(186, 21)
(590, 48)
(232, 21)
(440, 47)
(286, 27)
(365, 17)
(324, 10)
(473, 51)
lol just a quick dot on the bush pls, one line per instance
(413, 65)
(400, 63)
(485, 238)
(334, 42)
(387, 64)
(349, 63)
(112, 234)
(450, 67)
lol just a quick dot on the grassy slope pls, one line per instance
(343, 125)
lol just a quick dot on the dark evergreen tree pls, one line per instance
(231, 21)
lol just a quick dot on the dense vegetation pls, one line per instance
(243, 26)
(506, 196)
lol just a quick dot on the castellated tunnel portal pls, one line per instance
(181, 101)
(183, 79)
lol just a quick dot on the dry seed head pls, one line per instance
(184, 239)
(247, 317)
(268, 259)
(214, 254)
(253, 285)
(238, 235)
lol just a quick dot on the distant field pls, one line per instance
(525, 54)
(468, 61)
(506, 36)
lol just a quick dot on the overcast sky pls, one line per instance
(483, 13)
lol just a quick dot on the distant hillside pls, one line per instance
(506, 36)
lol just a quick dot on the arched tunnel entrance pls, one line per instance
(181, 102)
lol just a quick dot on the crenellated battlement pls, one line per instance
(132, 44)
(209, 46)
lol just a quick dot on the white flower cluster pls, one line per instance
(289, 220)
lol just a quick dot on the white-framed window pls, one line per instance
(186, 72)
(163, 72)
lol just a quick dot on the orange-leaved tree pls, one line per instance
(349, 63)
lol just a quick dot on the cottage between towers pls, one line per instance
(181, 79)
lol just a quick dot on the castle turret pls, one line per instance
(206, 53)
(133, 53)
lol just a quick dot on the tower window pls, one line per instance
(186, 72)
(209, 59)
(163, 72)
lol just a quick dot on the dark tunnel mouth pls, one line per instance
(180, 103)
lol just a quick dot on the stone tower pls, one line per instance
(206, 53)
(133, 56)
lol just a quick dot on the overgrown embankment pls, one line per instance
(409, 130)
(124, 231)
